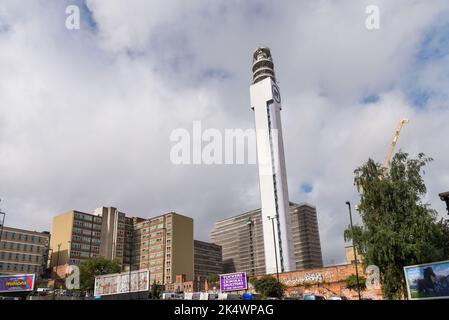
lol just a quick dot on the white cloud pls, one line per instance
(85, 116)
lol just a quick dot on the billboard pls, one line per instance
(428, 281)
(118, 283)
(17, 283)
(233, 281)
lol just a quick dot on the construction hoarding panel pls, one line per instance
(118, 283)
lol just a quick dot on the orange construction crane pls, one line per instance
(387, 161)
(390, 153)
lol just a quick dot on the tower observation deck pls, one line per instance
(263, 66)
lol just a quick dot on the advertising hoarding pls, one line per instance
(118, 283)
(233, 281)
(17, 283)
(428, 281)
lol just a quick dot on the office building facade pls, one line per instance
(208, 259)
(242, 241)
(23, 251)
(164, 244)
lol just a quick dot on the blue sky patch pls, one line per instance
(306, 188)
(371, 99)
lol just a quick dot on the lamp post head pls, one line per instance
(445, 197)
(348, 203)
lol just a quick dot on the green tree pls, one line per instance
(398, 228)
(268, 286)
(156, 291)
(93, 267)
(351, 283)
(212, 278)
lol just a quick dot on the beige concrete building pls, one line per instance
(349, 253)
(241, 239)
(75, 237)
(163, 244)
(23, 251)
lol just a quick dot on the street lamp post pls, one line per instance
(445, 197)
(130, 266)
(275, 249)
(355, 252)
(251, 225)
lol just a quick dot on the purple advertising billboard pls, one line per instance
(16, 283)
(233, 282)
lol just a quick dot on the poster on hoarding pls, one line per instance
(428, 281)
(233, 282)
(119, 283)
(17, 283)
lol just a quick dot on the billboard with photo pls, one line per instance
(428, 281)
(233, 282)
(17, 283)
(118, 283)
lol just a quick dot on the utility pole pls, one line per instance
(355, 251)
(3, 215)
(56, 271)
(275, 248)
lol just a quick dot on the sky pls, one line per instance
(86, 115)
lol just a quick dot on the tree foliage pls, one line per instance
(93, 267)
(398, 229)
(268, 286)
(212, 278)
(351, 283)
(156, 291)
